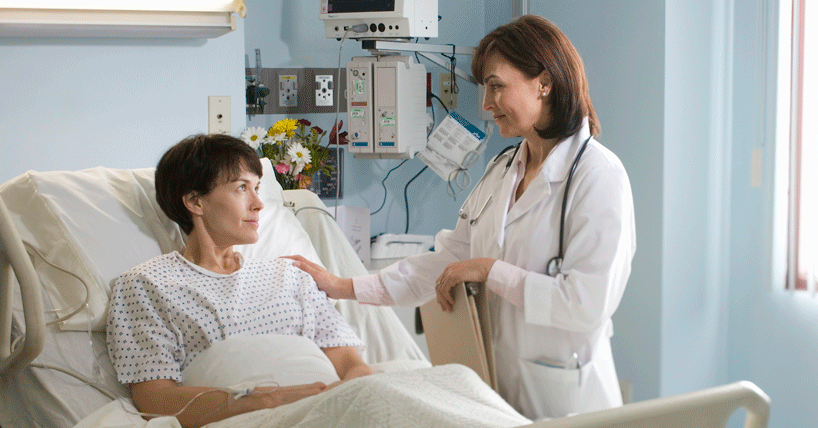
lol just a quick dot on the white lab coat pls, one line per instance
(566, 314)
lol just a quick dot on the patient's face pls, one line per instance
(230, 212)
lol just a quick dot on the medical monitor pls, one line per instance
(382, 18)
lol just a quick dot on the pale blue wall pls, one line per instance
(78, 103)
(773, 337)
(623, 52)
(694, 276)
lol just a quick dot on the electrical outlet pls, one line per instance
(288, 90)
(218, 115)
(447, 93)
(324, 91)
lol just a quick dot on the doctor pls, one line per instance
(552, 320)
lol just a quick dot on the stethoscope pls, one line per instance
(555, 264)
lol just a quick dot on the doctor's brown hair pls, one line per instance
(532, 44)
(198, 164)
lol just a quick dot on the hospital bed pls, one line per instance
(64, 237)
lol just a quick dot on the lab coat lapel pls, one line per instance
(502, 192)
(554, 171)
(537, 192)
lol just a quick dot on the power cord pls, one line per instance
(383, 183)
(406, 195)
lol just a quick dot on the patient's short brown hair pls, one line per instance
(198, 164)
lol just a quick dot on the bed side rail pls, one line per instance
(707, 408)
(15, 260)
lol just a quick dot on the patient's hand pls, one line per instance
(335, 287)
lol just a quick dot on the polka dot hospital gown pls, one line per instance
(166, 311)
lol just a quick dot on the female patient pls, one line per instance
(165, 312)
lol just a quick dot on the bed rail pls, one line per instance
(15, 260)
(707, 408)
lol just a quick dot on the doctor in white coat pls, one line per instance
(551, 332)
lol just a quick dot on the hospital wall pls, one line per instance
(71, 103)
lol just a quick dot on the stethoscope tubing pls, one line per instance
(554, 265)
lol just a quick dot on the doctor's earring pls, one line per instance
(544, 94)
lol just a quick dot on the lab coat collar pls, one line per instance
(555, 169)
(558, 163)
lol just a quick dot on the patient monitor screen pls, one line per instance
(357, 6)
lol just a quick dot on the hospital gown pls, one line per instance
(166, 311)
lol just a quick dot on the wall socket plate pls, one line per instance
(287, 90)
(302, 90)
(324, 93)
(218, 115)
(447, 93)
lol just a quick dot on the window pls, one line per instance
(803, 160)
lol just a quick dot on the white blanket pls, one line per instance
(441, 396)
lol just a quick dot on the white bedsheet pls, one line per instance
(442, 396)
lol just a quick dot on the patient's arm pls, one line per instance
(348, 364)
(166, 397)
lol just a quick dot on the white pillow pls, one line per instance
(260, 360)
(97, 223)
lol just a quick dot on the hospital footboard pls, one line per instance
(707, 408)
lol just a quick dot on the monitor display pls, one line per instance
(359, 6)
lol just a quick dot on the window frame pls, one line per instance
(788, 145)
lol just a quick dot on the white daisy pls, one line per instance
(299, 154)
(253, 136)
(272, 139)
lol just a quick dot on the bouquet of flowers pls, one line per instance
(295, 150)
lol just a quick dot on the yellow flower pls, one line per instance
(285, 126)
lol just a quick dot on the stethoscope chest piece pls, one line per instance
(554, 266)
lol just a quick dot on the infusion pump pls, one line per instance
(386, 107)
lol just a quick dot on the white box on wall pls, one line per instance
(354, 222)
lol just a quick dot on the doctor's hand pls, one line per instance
(335, 287)
(472, 270)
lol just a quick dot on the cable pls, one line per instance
(439, 100)
(406, 195)
(80, 307)
(358, 29)
(469, 160)
(80, 377)
(383, 183)
(314, 208)
(453, 61)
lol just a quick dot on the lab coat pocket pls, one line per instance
(553, 391)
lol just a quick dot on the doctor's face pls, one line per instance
(515, 100)
(230, 212)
